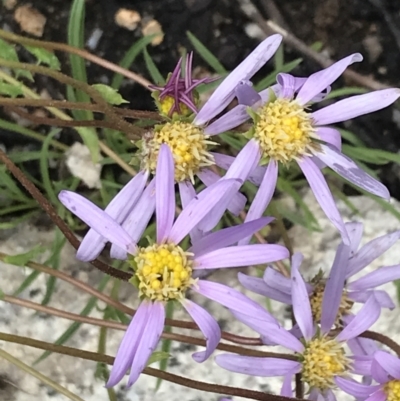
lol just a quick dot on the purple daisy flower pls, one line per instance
(385, 370)
(339, 290)
(285, 131)
(163, 270)
(321, 357)
(189, 139)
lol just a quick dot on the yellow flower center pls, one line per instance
(392, 390)
(163, 272)
(284, 130)
(322, 360)
(316, 304)
(168, 102)
(189, 146)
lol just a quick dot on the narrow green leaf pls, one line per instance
(346, 91)
(109, 94)
(154, 72)
(23, 258)
(352, 138)
(11, 90)
(44, 57)
(205, 54)
(157, 357)
(8, 51)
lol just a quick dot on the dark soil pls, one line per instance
(342, 27)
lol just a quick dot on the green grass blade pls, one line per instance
(154, 72)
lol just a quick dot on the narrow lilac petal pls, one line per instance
(259, 286)
(364, 319)
(378, 373)
(300, 299)
(354, 388)
(277, 280)
(249, 365)
(128, 347)
(329, 395)
(349, 170)
(246, 94)
(187, 193)
(263, 195)
(199, 207)
(231, 299)
(93, 243)
(389, 363)
(237, 256)
(361, 365)
(320, 80)
(289, 84)
(331, 136)
(97, 219)
(334, 289)
(244, 163)
(148, 341)
(244, 71)
(382, 297)
(266, 93)
(238, 201)
(355, 230)
(208, 326)
(376, 278)
(227, 236)
(315, 395)
(286, 390)
(137, 220)
(323, 195)
(165, 193)
(359, 345)
(229, 120)
(380, 395)
(272, 333)
(355, 106)
(369, 252)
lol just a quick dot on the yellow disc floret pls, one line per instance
(163, 272)
(322, 360)
(189, 146)
(316, 304)
(167, 103)
(392, 390)
(284, 130)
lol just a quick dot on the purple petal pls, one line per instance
(231, 299)
(376, 278)
(286, 390)
(277, 280)
(231, 119)
(378, 373)
(244, 163)
(315, 395)
(227, 236)
(93, 243)
(323, 195)
(249, 365)
(354, 388)
(263, 195)
(138, 218)
(380, 395)
(195, 211)
(237, 202)
(247, 95)
(208, 326)
(329, 395)
(165, 193)
(272, 333)
(355, 106)
(129, 344)
(237, 256)
(331, 136)
(364, 319)
(369, 252)
(346, 168)
(300, 299)
(244, 71)
(355, 230)
(334, 289)
(97, 219)
(382, 297)
(390, 363)
(289, 85)
(320, 80)
(361, 365)
(359, 345)
(259, 286)
(149, 339)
